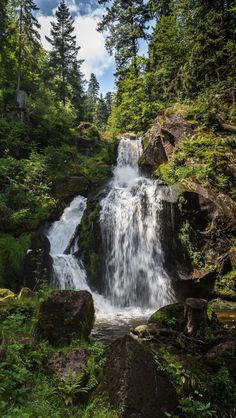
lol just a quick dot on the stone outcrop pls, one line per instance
(133, 384)
(66, 314)
(162, 139)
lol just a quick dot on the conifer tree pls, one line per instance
(92, 98)
(63, 57)
(125, 22)
(28, 35)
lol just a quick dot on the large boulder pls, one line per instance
(133, 384)
(170, 316)
(162, 139)
(66, 314)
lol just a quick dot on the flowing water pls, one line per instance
(130, 220)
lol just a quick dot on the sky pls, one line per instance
(86, 14)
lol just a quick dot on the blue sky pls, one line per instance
(87, 14)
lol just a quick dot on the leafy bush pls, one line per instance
(205, 158)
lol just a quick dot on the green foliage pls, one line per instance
(204, 159)
(27, 387)
(25, 196)
(195, 408)
(12, 252)
(185, 236)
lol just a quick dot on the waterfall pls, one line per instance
(130, 221)
(68, 272)
(130, 224)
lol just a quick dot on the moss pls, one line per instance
(170, 316)
(205, 157)
(225, 286)
(186, 237)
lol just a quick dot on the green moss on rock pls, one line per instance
(170, 316)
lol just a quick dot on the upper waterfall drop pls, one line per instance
(130, 223)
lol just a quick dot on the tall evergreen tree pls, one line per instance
(125, 21)
(28, 35)
(63, 57)
(92, 99)
(101, 114)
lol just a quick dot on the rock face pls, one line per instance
(162, 138)
(64, 315)
(133, 384)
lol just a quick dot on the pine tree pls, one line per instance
(101, 114)
(92, 96)
(63, 57)
(125, 22)
(28, 35)
(108, 100)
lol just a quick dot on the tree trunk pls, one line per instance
(196, 313)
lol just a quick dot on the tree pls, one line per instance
(28, 35)
(102, 113)
(125, 22)
(91, 100)
(63, 57)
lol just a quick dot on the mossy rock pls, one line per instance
(170, 316)
(6, 293)
(66, 314)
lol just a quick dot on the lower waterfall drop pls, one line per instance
(130, 223)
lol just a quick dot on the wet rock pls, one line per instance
(66, 314)
(141, 331)
(37, 264)
(133, 384)
(70, 364)
(90, 242)
(170, 316)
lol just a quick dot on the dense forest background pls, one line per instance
(58, 139)
(44, 98)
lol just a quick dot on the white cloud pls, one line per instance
(92, 43)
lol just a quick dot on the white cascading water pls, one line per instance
(130, 225)
(68, 272)
(136, 281)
